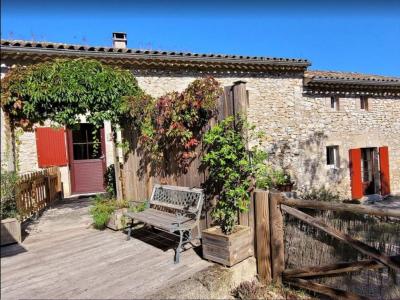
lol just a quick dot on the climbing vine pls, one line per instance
(173, 123)
(63, 90)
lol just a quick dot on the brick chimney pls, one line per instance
(119, 40)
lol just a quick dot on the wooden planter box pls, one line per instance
(10, 231)
(117, 220)
(227, 249)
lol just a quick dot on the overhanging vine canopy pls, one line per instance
(62, 90)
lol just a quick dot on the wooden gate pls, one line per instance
(270, 242)
(138, 178)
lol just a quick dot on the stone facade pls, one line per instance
(297, 126)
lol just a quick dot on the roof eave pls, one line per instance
(359, 82)
(152, 57)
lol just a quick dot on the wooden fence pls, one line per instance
(137, 176)
(37, 190)
(269, 243)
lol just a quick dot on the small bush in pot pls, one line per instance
(230, 180)
(230, 172)
(10, 223)
(8, 207)
(281, 180)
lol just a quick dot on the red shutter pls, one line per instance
(51, 149)
(384, 170)
(355, 173)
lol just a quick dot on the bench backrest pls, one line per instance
(178, 198)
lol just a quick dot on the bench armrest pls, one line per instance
(180, 217)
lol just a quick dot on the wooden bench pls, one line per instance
(173, 209)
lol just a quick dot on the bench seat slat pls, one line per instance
(160, 219)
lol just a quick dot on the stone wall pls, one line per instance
(298, 127)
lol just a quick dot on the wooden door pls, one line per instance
(368, 170)
(355, 173)
(87, 159)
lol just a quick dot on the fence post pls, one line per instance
(263, 250)
(277, 243)
(49, 196)
(34, 198)
(60, 191)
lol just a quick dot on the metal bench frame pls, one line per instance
(186, 205)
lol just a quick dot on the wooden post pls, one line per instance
(239, 97)
(263, 250)
(277, 243)
(49, 193)
(117, 169)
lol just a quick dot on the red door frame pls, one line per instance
(71, 156)
(357, 190)
(384, 170)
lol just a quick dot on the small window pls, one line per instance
(85, 144)
(335, 103)
(332, 156)
(364, 103)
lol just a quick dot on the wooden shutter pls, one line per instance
(384, 170)
(51, 148)
(355, 173)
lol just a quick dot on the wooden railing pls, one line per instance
(37, 190)
(269, 236)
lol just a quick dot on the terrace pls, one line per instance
(64, 257)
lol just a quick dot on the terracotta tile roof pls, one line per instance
(13, 46)
(350, 84)
(349, 76)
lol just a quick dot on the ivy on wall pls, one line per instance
(174, 123)
(62, 90)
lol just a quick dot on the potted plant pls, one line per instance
(108, 212)
(230, 181)
(10, 224)
(281, 180)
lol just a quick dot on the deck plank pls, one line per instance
(65, 259)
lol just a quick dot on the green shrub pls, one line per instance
(8, 201)
(101, 211)
(109, 181)
(321, 194)
(262, 170)
(230, 171)
(280, 177)
(103, 206)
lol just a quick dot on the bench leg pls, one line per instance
(179, 248)
(129, 231)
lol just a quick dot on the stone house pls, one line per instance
(332, 129)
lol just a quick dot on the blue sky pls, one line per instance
(359, 36)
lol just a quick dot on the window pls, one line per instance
(364, 103)
(335, 103)
(332, 156)
(85, 145)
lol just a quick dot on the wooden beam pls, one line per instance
(324, 290)
(344, 207)
(263, 250)
(277, 243)
(360, 246)
(335, 269)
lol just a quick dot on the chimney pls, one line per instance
(119, 40)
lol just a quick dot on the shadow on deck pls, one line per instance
(64, 257)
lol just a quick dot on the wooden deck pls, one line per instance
(63, 257)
